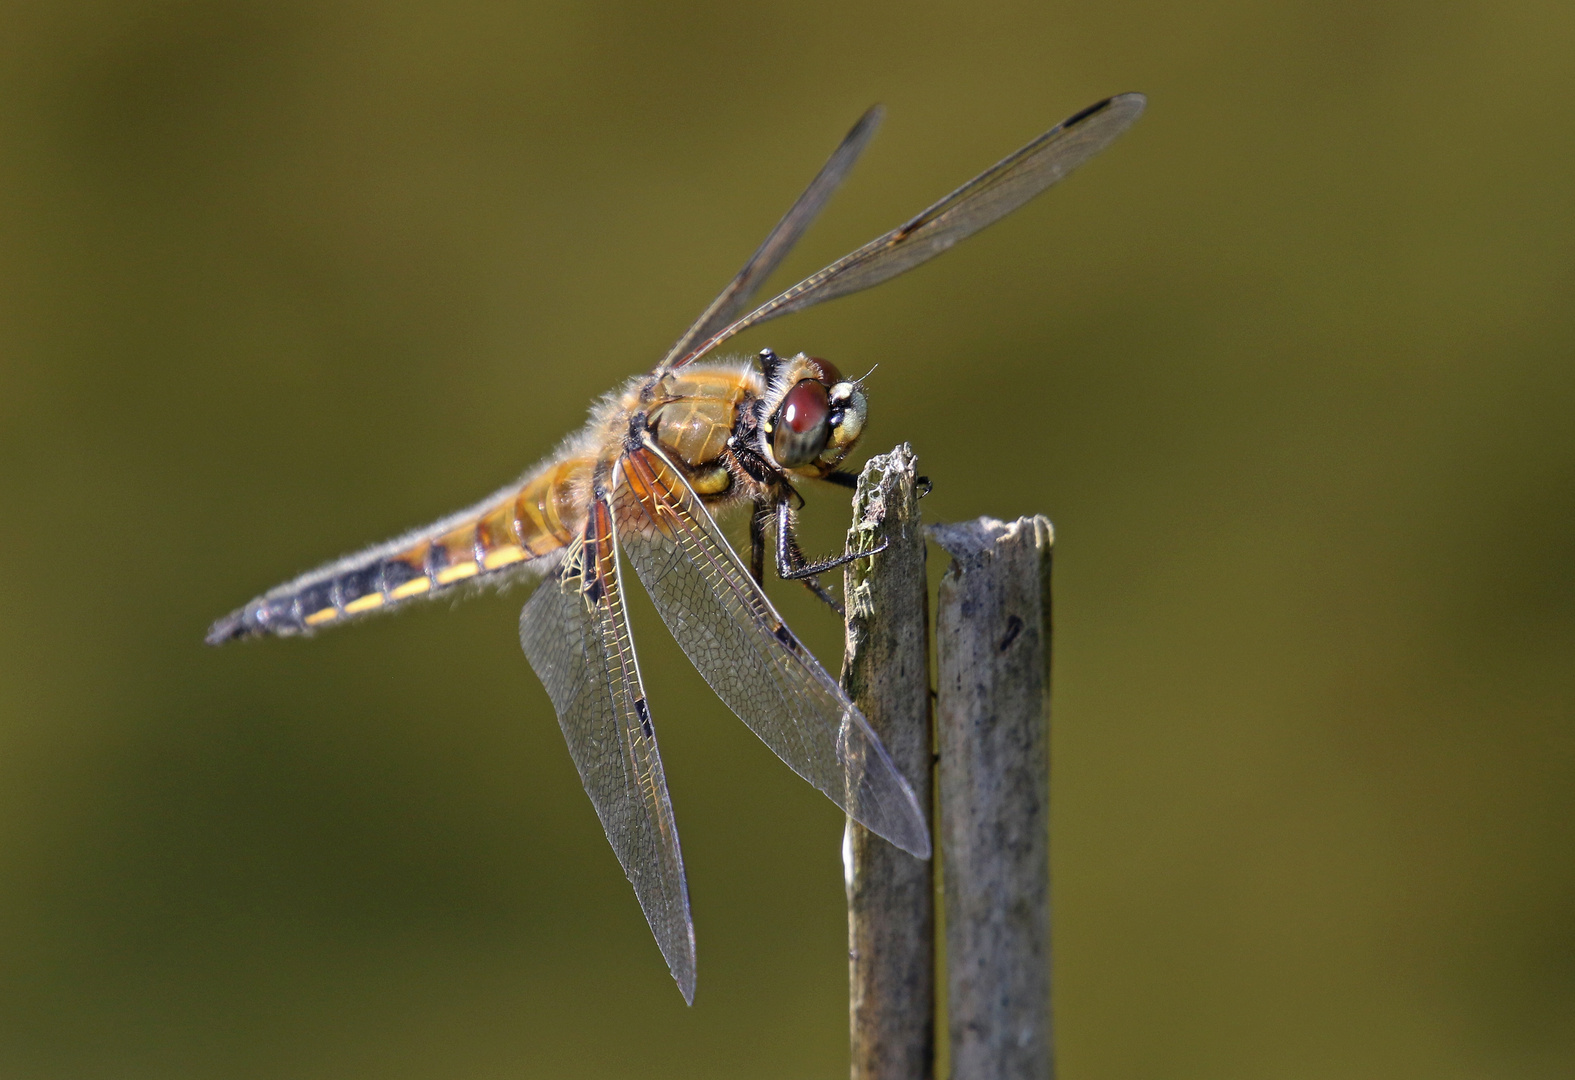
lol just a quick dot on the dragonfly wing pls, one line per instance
(982, 201)
(576, 635)
(739, 644)
(725, 308)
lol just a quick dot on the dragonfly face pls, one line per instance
(638, 483)
(816, 419)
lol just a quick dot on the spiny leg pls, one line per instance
(793, 566)
(791, 562)
(757, 542)
(814, 586)
(843, 478)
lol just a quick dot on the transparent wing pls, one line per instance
(576, 635)
(725, 308)
(982, 201)
(740, 645)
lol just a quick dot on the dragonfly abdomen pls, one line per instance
(490, 542)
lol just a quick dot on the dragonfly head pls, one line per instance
(815, 416)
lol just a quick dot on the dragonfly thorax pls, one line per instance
(699, 409)
(799, 415)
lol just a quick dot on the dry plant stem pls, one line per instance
(891, 910)
(993, 726)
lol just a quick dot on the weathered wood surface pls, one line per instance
(891, 912)
(993, 730)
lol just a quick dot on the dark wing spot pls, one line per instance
(785, 636)
(1077, 118)
(1014, 626)
(645, 717)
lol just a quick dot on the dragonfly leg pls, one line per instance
(791, 563)
(814, 586)
(790, 555)
(843, 478)
(757, 542)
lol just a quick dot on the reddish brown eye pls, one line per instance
(828, 371)
(805, 406)
(802, 425)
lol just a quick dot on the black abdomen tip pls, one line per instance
(229, 628)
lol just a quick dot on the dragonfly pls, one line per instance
(644, 481)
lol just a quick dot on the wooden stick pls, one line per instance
(891, 902)
(993, 727)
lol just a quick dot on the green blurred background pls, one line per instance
(1292, 367)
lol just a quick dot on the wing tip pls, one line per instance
(912, 833)
(1131, 102)
(682, 966)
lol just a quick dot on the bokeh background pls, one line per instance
(1292, 367)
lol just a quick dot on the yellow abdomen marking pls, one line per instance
(365, 603)
(457, 573)
(503, 557)
(410, 588)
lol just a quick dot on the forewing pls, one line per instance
(982, 201)
(725, 308)
(741, 647)
(576, 634)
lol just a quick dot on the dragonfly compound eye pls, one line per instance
(828, 371)
(802, 425)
